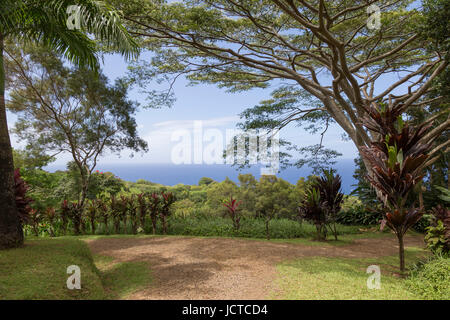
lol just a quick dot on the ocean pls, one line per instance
(170, 174)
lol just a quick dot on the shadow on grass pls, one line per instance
(120, 279)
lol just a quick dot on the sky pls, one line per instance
(215, 107)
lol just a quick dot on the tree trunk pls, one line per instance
(93, 226)
(84, 187)
(267, 230)
(11, 233)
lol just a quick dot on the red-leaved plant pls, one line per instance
(142, 207)
(331, 197)
(103, 213)
(167, 200)
(22, 200)
(313, 210)
(64, 214)
(34, 219)
(232, 207)
(132, 210)
(50, 216)
(154, 205)
(396, 161)
(91, 212)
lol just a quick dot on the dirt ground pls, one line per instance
(222, 268)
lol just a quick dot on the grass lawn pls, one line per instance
(343, 278)
(39, 271)
(123, 278)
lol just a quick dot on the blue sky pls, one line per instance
(215, 107)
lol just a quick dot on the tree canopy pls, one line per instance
(320, 50)
(68, 109)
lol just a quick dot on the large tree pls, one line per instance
(330, 50)
(46, 22)
(64, 109)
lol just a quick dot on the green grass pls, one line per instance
(120, 279)
(39, 271)
(431, 279)
(344, 239)
(343, 278)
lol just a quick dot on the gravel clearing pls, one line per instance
(223, 268)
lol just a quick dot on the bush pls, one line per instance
(250, 228)
(22, 200)
(435, 238)
(431, 279)
(438, 233)
(423, 224)
(358, 216)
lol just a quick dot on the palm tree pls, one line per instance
(45, 22)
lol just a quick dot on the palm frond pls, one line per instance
(46, 22)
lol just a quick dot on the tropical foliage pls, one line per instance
(232, 206)
(397, 160)
(323, 202)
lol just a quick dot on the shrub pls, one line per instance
(313, 211)
(22, 200)
(438, 234)
(250, 228)
(50, 215)
(34, 218)
(232, 207)
(115, 212)
(396, 162)
(103, 214)
(359, 215)
(431, 279)
(184, 208)
(122, 205)
(154, 205)
(91, 212)
(329, 186)
(435, 238)
(64, 214)
(132, 210)
(143, 209)
(76, 216)
(167, 200)
(423, 223)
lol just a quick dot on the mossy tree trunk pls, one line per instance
(11, 233)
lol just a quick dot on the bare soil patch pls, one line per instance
(222, 268)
